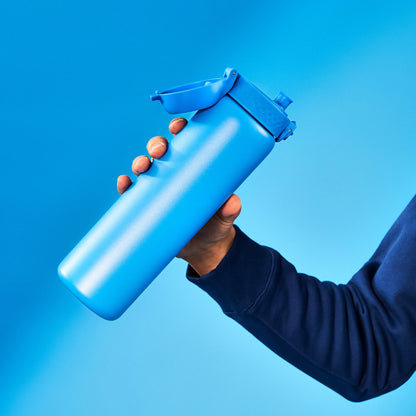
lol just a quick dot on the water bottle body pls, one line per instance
(161, 212)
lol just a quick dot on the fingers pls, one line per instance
(140, 164)
(123, 183)
(177, 124)
(157, 146)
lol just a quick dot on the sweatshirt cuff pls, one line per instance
(240, 278)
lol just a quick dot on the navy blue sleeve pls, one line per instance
(358, 338)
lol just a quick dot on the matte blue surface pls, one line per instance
(208, 160)
(75, 80)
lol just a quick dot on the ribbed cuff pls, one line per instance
(240, 278)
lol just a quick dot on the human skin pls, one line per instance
(211, 243)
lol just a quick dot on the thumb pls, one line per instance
(230, 210)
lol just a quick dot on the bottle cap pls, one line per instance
(203, 94)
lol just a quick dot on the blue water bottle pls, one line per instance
(234, 128)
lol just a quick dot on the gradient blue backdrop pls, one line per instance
(75, 79)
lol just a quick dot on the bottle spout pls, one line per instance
(283, 100)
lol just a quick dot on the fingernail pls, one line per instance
(176, 120)
(135, 166)
(156, 145)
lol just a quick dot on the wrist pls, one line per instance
(210, 258)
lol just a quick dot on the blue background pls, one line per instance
(75, 79)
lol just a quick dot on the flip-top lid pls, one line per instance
(203, 94)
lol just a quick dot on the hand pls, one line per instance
(211, 243)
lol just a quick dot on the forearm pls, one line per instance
(357, 339)
(290, 313)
